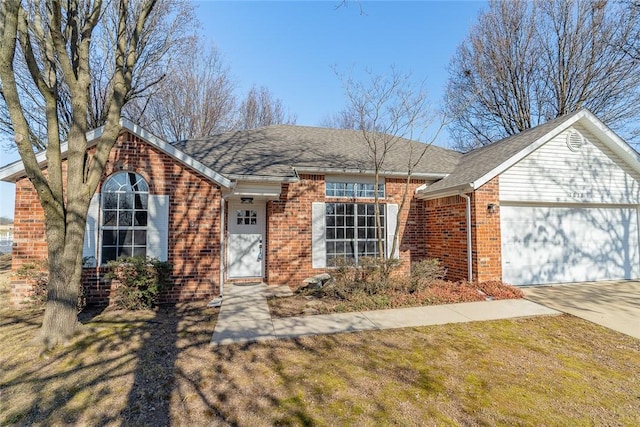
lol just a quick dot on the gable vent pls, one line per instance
(575, 140)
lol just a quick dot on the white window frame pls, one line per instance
(318, 233)
(157, 230)
(132, 228)
(356, 182)
(355, 239)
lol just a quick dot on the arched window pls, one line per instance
(125, 212)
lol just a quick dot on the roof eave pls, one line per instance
(354, 171)
(425, 194)
(14, 171)
(263, 178)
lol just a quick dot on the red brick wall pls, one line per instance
(288, 257)
(487, 246)
(446, 226)
(446, 229)
(194, 223)
(29, 240)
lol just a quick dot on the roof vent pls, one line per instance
(575, 140)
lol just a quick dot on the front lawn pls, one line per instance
(157, 368)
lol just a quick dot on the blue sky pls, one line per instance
(292, 47)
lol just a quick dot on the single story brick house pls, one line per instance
(556, 203)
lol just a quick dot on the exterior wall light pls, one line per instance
(492, 208)
(246, 200)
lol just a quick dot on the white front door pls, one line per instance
(246, 237)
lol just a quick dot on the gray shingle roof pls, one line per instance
(272, 151)
(477, 163)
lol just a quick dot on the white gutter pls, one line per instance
(352, 171)
(222, 245)
(423, 192)
(469, 245)
(263, 178)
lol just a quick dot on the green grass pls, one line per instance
(157, 368)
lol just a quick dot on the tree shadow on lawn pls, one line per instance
(120, 369)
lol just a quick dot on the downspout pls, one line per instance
(222, 246)
(469, 245)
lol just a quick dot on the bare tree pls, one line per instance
(260, 108)
(388, 109)
(169, 39)
(344, 119)
(54, 41)
(527, 62)
(195, 99)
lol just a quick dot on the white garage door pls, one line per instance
(567, 244)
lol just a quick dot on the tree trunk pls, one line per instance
(61, 312)
(65, 235)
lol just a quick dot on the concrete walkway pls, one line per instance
(244, 317)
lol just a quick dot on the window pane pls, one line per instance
(125, 202)
(125, 219)
(140, 218)
(141, 201)
(372, 248)
(371, 232)
(340, 221)
(109, 238)
(137, 183)
(331, 221)
(140, 251)
(349, 233)
(125, 237)
(340, 233)
(140, 237)
(108, 253)
(331, 233)
(351, 190)
(110, 201)
(109, 218)
(124, 251)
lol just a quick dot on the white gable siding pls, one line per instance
(555, 174)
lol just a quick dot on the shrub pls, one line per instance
(140, 281)
(370, 277)
(423, 273)
(499, 290)
(38, 275)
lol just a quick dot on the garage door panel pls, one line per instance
(561, 244)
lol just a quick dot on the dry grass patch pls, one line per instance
(5, 261)
(157, 368)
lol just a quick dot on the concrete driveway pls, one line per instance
(613, 304)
